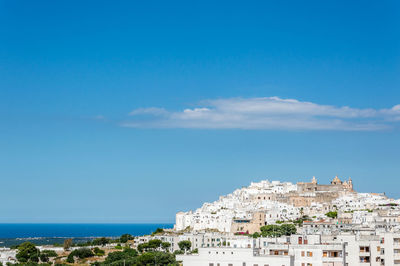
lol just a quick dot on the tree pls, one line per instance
(67, 243)
(43, 257)
(100, 241)
(270, 230)
(98, 252)
(125, 237)
(156, 258)
(49, 253)
(288, 229)
(158, 231)
(27, 252)
(81, 253)
(256, 235)
(154, 244)
(332, 214)
(120, 256)
(142, 247)
(165, 245)
(185, 245)
(195, 251)
(70, 258)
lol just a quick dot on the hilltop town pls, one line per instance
(304, 224)
(247, 209)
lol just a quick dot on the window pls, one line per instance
(211, 264)
(302, 253)
(309, 254)
(244, 264)
(364, 249)
(364, 259)
(325, 254)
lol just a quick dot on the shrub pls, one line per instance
(98, 252)
(331, 214)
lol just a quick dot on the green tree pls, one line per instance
(81, 253)
(101, 241)
(98, 252)
(154, 244)
(125, 237)
(27, 252)
(331, 214)
(142, 247)
(165, 245)
(49, 253)
(158, 231)
(156, 258)
(288, 229)
(70, 258)
(270, 230)
(184, 245)
(43, 257)
(195, 251)
(117, 257)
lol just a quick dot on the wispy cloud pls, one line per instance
(264, 114)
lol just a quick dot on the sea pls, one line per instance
(41, 234)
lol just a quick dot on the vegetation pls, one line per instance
(80, 253)
(125, 237)
(276, 230)
(130, 257)
(127, 255)
(101, 241)
(301, 220)
(165, 245)
(98, 252)
(27, 252)
(184, 245)
(331, 214)
(195, 251)
(150, 246)
(49, 253)
(158, 231)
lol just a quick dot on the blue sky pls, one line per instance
(129, 111)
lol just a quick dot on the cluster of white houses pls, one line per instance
(366, 230)
(268, 202)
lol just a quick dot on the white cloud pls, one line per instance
(266, 113)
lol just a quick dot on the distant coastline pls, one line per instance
(50, 233)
